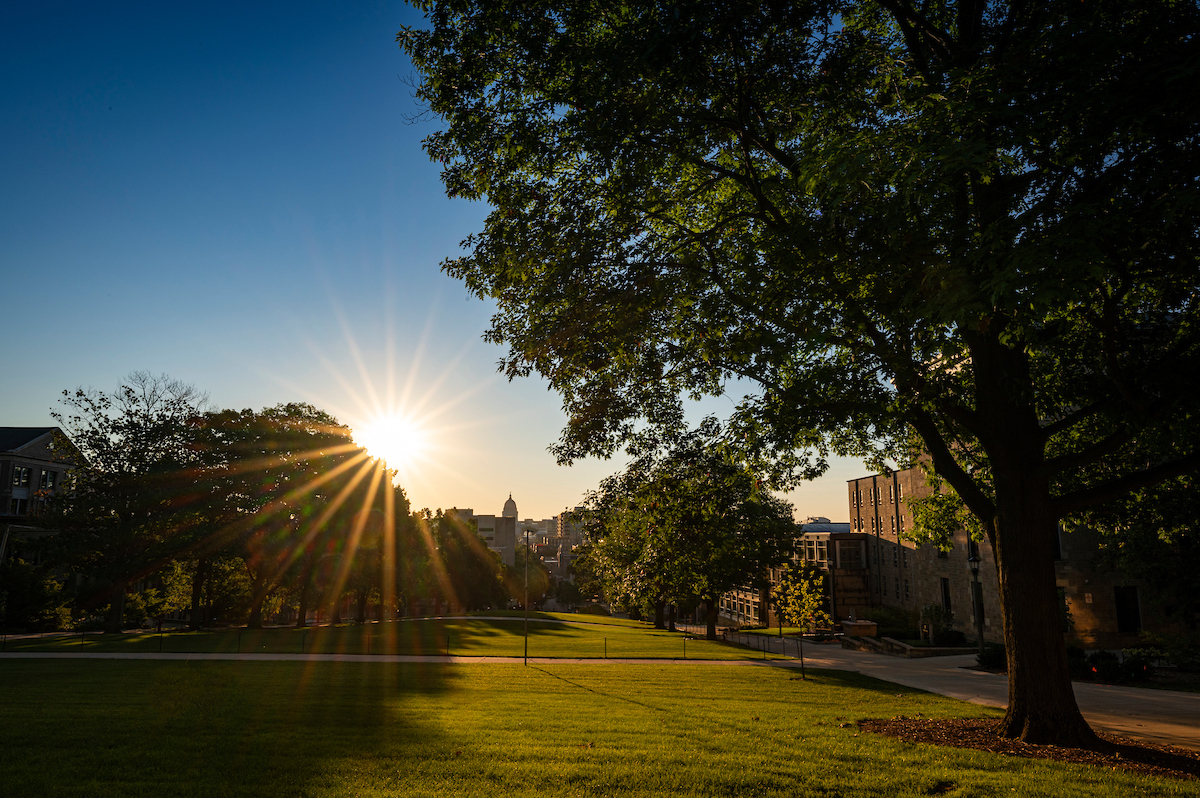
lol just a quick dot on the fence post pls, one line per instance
(606, 648)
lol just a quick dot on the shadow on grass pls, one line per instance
(221, 728)
(597, 692)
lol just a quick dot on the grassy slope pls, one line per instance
(467, 637)
(102, 728)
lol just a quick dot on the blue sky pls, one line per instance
(236, 195)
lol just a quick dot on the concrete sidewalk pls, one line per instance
(1158, 716)
(1161, 716)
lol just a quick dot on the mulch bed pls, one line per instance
(1146, 759)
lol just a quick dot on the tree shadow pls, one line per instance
(229, 728)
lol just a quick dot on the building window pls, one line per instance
(820, 551)
(973, 549)
(907, 593)
(21, 476)
(899, 493)
(893, 524)
(946, 594)
(897, 587)
(48, 478)
(18, 506)
(901, 516)
(904, 557)
(1129, 610)
(850, 554)
(895, 556)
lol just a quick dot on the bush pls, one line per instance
(1077, 664)
(1137, 667)
(896, 622)
(938, 620)
(993, 657)
(1105, 666)
(951, 637)
(1182, 651)
(593, 609)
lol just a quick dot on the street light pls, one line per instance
(977, 598)
(526, 597)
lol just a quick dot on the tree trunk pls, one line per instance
(1041, 700)
(258, 596)
(660, 607)
(671, 618)
(710, 616)
(194, 619)
(360, 614)
(115, 622)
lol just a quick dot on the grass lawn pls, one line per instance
(581, 637)
(142, 728)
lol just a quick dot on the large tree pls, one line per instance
(117, 512)
(963, 227)
(686, 519)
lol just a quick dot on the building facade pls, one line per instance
(33, 465)
(1105, 611)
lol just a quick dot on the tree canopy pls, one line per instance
(967, 229)
(684, 521)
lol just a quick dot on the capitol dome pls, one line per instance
(510, 508)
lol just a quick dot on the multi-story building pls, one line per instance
(499, 532)
(33, 464)
(819, 540)
(1106, 609)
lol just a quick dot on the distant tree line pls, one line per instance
(173, 509)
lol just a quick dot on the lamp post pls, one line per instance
(976, 598)
(526, 602)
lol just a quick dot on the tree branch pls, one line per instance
(1082, 499)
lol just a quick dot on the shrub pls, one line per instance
(896, 622)
(951, 637)
(1137, 667)
(1077, 664)
(993, 657)
(1105, 666)
(938, 620)
(1182, 650)
(593, 609)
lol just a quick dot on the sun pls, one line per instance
(396, 439)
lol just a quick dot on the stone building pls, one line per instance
(1106, 610)
(819, 540)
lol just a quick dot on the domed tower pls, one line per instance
(510, 508)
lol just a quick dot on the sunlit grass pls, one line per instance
(103, 728)
(472, 637)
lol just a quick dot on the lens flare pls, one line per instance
(396, 439)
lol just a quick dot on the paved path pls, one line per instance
(1158, 716)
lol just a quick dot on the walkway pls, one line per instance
(1139, 713)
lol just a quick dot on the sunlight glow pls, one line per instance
(394, 438)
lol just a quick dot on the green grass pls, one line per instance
(101, 728)
(474, 637)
